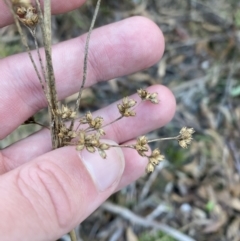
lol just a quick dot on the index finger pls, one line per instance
(58, 6)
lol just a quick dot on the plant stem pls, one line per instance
(36, 123)
(122, 146)
(72, 235)
(25, 44)
(163, 139)
(119, 118)
(33, 32)
(85, 65)
(55, 121)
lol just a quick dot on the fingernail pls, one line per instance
(104, 172)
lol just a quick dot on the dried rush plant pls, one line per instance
(90, 130)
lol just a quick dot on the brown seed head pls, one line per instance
(27, 15)
(141, 145)
(92, 143)
(149, 168)
(156, 157)
(185, 137)
(66, 134)
(93, 123)
(145, 95)
(104, 146)
(66, 113)
(125, 107)
(88, 116)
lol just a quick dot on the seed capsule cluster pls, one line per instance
(26, 12)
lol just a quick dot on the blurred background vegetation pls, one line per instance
(196, 192)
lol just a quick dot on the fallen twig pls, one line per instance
(141, 221)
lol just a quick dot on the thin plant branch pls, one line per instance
(36, 123)
(25, 44)
(85, 65)
(119, 118)
(43, 29)
(33, 32)
(123, 146)
(163, 139)
(78, 126)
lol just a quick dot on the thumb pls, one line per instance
(49, 196)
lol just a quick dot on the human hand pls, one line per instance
(44, 193)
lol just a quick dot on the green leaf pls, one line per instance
(237, 18)
(235, 91)
(210, 206)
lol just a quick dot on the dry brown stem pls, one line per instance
(85, 63)
(137, 220)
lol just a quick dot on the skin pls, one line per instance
(44, 193)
